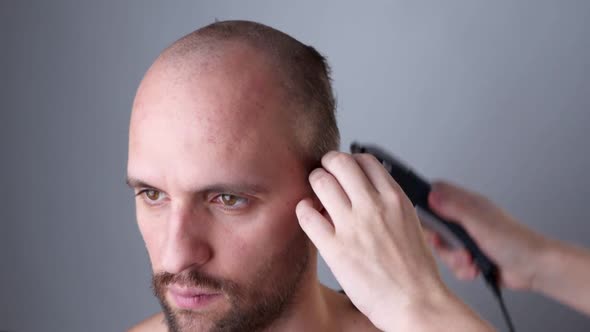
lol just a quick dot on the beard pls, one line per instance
(255, 305)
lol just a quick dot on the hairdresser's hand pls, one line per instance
(512, 246)
(370, 237)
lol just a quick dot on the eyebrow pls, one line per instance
(246, 188)
(136, 183)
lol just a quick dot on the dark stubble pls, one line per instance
(254, 306)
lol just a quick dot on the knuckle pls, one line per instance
(393, 197)
(320, 179)
(367, 158)
(336, 159)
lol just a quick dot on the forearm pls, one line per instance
(564, 275)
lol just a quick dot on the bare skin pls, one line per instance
(348, 318)
(370, 236)
(528, 261)
(221, 124)
(231, 217)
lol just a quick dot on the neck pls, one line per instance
(311, 308)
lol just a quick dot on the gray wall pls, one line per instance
(493, 95)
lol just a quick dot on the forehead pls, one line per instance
(227, 119)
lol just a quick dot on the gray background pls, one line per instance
(492, 95)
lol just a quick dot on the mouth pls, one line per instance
(192, 298)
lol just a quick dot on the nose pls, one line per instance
(186, 244)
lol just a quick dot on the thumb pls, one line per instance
(453, 202)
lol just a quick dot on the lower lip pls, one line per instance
(193, 302)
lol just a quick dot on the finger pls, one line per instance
(329, 192)
(319, 230)
(446, 256)
(375, 172)
(462, 259)
(435, 239)
(454, 203)
(383, 182)
(455, 259)
(460, 262)
(351, 177)
(467, 273)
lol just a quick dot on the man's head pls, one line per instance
(225, 127)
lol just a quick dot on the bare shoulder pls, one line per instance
(349, 317)
(153, 323)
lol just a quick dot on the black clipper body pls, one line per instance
(417, 189)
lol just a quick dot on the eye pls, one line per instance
(152, 196)
(230, 201)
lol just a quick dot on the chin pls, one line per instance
(181, 320)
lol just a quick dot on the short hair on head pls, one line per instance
(305, 74)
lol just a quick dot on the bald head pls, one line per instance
(226, 125)
(263, 62)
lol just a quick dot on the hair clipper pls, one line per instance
(417, 189)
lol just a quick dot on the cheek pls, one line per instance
(260, 240)
(149, 225)
(277, 226)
